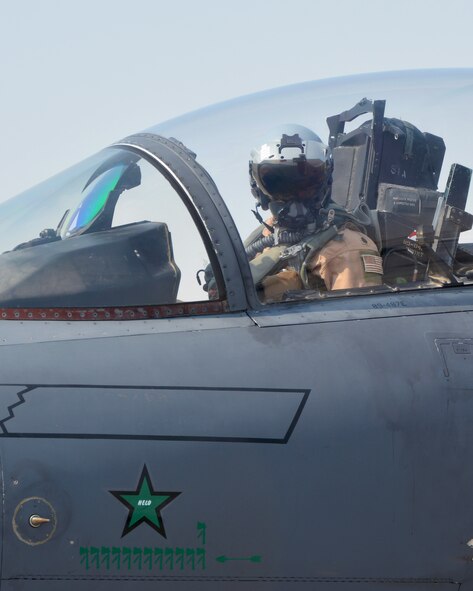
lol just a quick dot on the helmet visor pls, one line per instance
(282, 181)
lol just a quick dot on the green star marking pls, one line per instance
(144, 505)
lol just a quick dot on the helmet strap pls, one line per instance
(257, 215)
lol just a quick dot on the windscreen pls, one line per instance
(110, 231)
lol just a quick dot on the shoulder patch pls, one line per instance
(372, 263)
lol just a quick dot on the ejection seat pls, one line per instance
(389, 170)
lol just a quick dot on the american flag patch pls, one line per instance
(372, 263)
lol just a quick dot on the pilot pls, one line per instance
(308, 242)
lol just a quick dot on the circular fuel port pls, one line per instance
(34, 521)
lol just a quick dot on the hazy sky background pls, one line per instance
(76, 76)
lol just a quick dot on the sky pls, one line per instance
(76, 76)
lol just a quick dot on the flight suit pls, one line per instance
(348, 261)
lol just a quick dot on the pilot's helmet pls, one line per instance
(293, 164)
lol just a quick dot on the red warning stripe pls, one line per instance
(116, 313)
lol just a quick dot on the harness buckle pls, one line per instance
(291, 251)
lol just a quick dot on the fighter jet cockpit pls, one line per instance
(167, 217)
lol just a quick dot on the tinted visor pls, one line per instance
(286, 180)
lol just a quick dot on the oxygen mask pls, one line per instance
(293, 215)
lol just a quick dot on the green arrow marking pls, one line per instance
(223, 559)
